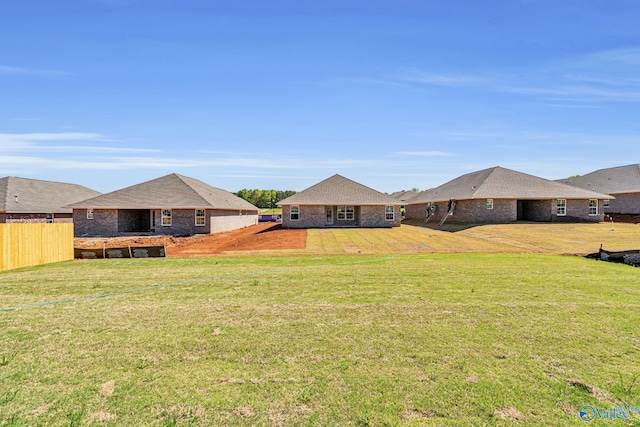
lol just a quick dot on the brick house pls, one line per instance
(170, 205)
(340, 202)
(622, 182)
(33, 200)
(499, 195)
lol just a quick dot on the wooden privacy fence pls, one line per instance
(26, 245)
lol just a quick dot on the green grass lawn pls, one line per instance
(271, 211)
(421, 339)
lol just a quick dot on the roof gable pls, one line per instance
(170, 191)
(338, 190)
(621, 179)
(501, 183)
(24, 195)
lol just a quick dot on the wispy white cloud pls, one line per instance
(49, 142)
(9, 70)
(22, 138)
(606, 76)
(580, 92)
(569, 140)
(20, 163)
(425, 153)
(415, 75)
(77, 149)
(622, 56)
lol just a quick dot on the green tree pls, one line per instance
(264, 198)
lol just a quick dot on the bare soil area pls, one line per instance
(268, 236)
(411, 237)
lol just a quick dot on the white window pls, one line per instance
(593, 207)
(605, 204)
(489, 203)
(389, 213)
(342, 213)
(166, 217)
(350, 213)
(294, 213)
(49, 219)
(561, 207)
(346, 213)
(89, 213)
(200, 221)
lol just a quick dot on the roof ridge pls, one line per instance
(185, 179)
(338, 189)
(484, 181)
(636, 165)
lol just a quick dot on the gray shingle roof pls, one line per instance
(24, 195)
(338, 190)
(622, 179)
(501, 183)
(170, 191)
(404, 195)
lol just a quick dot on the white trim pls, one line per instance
(594, 213)
(296, 213)
(386, 213)
(489, 203)
(328, 214)
(167, 217)
(90, 213)
(200, 217)
(346, 213)
(561, 208)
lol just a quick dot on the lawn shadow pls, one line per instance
(276, 226)
(454, 227)
(451, 227)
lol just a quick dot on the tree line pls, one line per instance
(264, 198)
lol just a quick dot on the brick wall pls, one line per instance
(418, 212)
(578, 211)
(625, 203)
(507, 210)
(315, 216)
(504, 210)
(183, 221)
(104, 222)
(375, 216)
(536, 210)
(310, 217)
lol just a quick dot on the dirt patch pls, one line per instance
(509, 412)
(107, 389)
(259, 237)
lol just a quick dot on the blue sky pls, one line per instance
(282, 94)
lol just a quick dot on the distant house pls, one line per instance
(340, 202)
(170, 205)
(404, 195)
(622, 182)
(499, 195)
(33, 200)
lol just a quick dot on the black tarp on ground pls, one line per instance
(122, 252)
